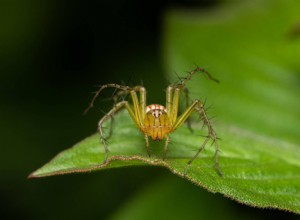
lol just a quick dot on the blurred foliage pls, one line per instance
(167, 197)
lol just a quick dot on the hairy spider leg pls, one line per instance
(199, 107)
(172, 96)
(191, 73)
(142, 94)
(187, 104)
(212, 134)
(132, 91)
(110, 127)
(117, 107)
(172, 99)
(135, 113)
(173, 92)
(169, 102)
(102, 87)
(172, 105)
(142, 105)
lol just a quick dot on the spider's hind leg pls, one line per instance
(199, 107)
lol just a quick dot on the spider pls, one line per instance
(156, 120)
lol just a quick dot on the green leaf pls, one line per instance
(256, 104)
(257, 173)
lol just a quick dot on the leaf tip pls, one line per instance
(32, 175)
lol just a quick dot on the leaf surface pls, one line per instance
(264, 172)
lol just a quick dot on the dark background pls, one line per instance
(52, 55)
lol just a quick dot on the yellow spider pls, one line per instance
(159, 121)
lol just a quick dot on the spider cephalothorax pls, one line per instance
(159, 121)
(156, 122)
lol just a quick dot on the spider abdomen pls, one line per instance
(156, 122)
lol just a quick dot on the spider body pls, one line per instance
(156, 122)
(159, 121)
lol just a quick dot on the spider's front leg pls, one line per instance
(137, 113)
(187, 104)
(139, 106)
(172, 110)
(199, 107)
(116, 108)
(142, 104)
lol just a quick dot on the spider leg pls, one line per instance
(147, 145)
(196, 155)
(211, 135)
(137, 108)
(199, 107)
(140, 89)
(166, 147)
(101, 88)
(112, 120)
(116, 97)
(188, 120)
(172, 97)
(169, 103)
(116, 108)
(119, 94)
(173, 90)
(191, 73)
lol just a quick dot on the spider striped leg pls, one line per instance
(142, 104)
(199, 107)
(142, 107)
(172, 111)
(175, 102)
(172, 100)
(142, 94)
(174, 90)
(136, 106)
(116, 108)
(187, 104)
(169, 102)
